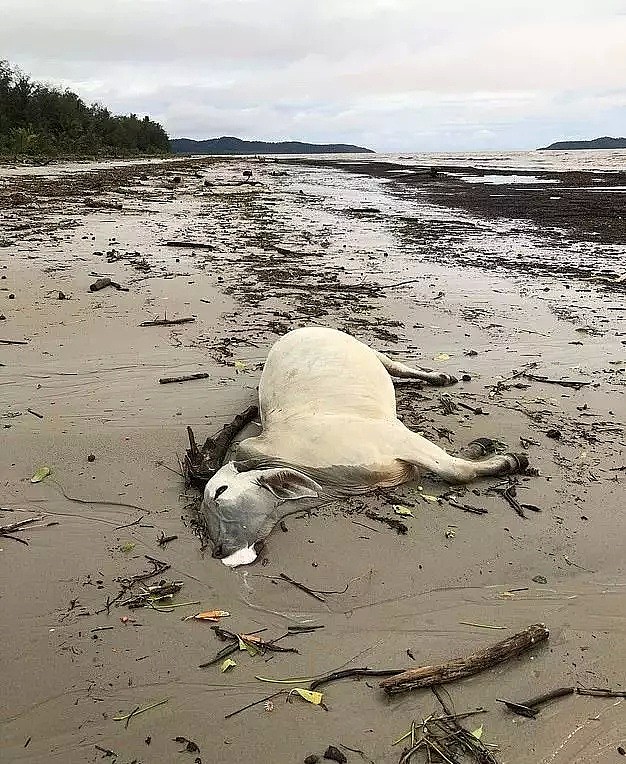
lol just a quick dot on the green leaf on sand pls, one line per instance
(229, 663)
(478, 733)
(127, 547)
(41, 474)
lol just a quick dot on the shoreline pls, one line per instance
(288, 251)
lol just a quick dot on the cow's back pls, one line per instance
(316, 371)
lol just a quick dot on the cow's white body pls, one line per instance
(328, 413)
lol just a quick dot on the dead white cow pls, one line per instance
(330, 430)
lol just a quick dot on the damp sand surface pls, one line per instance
(502, 299)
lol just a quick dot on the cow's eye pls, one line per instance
(220, 490)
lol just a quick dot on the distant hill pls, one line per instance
(596, 143)
(229, 145)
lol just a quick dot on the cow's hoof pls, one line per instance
(516, 462)
(483, 447)
(444, 380)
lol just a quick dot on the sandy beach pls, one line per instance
(512, 297)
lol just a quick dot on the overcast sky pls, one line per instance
(403, 75)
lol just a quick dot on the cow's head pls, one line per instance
(241, 507)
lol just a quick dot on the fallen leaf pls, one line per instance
(245, 643)
(240, 366)
(229, 663)
(428, 497)
(41, 474)
(441, 357)
(399, 509)
(208, 615)
(308, 695)
(478, 733)
(128, 546)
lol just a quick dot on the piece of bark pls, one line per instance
(426, 676)
(184, 378)
(168, 321)
(104, 282)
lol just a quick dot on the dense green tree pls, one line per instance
(39, 119)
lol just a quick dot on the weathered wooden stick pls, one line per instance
(168, 321)
(184, 378)
(188, 245)
(13, 342)
(426, 676)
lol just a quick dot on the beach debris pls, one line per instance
(301, 586)
(530, 708)
(190, 746)
(509, 494)
(104, 282)
(332, 753)
(227, 664)
(7, 531)
(35, 413)
(310, 696)
(240, 366)
(251, 643)
(168, 321)
(136, 711)
(441, 357)
(458, 668)
(554, 434)
(162, 540)
(313, 758)
(397, 525)
(13, 342)
(445, 738)
(189, 244)
(106, 752)
(91, 458)
(573, 384)
(208, 615)
(200, 464)
(41, 474)
(127, 547)
(399, 509)
(153, 594)
(183, 378)
(540, 579)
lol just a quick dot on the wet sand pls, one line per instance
(323, 246)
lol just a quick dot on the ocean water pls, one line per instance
(540, 161)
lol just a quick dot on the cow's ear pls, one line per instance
(289, 485)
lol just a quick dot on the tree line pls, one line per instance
(36, 119)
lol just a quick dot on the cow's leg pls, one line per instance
(423, 454)
(397, 369)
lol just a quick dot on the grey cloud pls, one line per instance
(394, 74)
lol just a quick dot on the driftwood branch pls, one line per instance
(188, 245)
(168, 321)
(13, 342)
(202, 463)
(426, 676)
(184, 378)
(530, 707)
